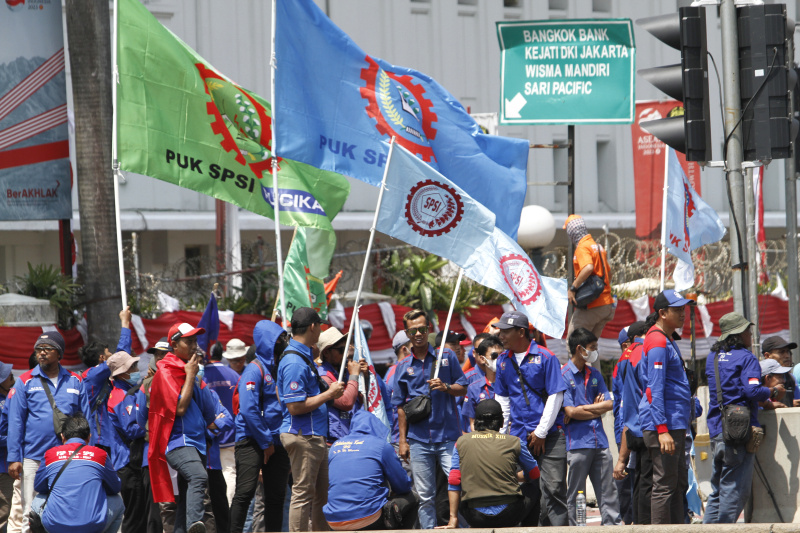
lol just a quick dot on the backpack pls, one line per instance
(235, 400)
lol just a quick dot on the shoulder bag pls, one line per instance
(34, 518)
(58, 417)
(735, 418)
(592, 288)
(419, 408)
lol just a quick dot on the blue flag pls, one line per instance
(690, 222)
(376, 397)
(336, 108)
(426, 210)
(209, 322)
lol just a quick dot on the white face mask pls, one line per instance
(590, 357)
(491, 364)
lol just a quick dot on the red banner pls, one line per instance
(648, 167)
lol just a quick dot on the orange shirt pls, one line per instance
(589, 252)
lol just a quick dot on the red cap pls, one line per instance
(183, 330)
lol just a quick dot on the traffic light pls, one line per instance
(766, 77)
(686, 82)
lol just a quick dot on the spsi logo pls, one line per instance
(294, 385)
(521, 278)
(433, 208)
(400, 109)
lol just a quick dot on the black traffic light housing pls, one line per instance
(686, 82)
(765, 78)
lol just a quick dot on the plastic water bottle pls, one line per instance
(580, 509)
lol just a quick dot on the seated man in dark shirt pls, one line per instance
(485, 474)
(85, 497)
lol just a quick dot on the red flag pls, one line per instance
(761, 237)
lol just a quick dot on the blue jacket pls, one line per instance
(30, 417)
(389, 379)
(142, 410)
(620, 373)
(4, 434)
(94, 379)
(122, 414)
(667, 397)
(740, 381)
(224, 423)
(474, 374)
(78, 502)
(223, 380)
(633, 390)
(411, 380)
(260, 413)
(358, 467)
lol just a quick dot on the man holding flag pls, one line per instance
(427, 441)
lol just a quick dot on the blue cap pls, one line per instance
(5, 371)
(623, 336)
(671, 298)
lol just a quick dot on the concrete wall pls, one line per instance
(779, 457)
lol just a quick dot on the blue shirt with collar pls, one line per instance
(620, 373)
(3, 434)
(222, 380)
(666, 402)
(542, 371)
(190, 429)
(30, 417)
(297, 380)
(632, 390)
(411, 380)
(582, 388)
(142, 410)
(740, 381)
(477, 391)
(473, 374)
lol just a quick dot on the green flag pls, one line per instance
(307, 264)
(181, 121)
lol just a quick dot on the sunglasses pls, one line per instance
(45, 349)
(494, 355)
(423, 330)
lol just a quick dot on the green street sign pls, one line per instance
(578, 71)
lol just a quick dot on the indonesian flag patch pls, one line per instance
(753, 381)
(251, 385)
(658, 366)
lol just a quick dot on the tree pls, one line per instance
(89, 37)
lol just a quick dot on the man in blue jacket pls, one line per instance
(6, 483)
(258, 426)
(85, 498)
(359, 466)
(31, 425)
(127, 440)
(664, 410)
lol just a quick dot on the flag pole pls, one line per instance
(367, 256)
(115, 172)
(447, 322)
(275, 200)
(664, 217)
(343, 365)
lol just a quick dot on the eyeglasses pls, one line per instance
(423, 330)
(494, 355)
(45, 349)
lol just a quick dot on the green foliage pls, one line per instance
(48, 283)
(418, 280)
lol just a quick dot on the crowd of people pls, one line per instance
(195, 442)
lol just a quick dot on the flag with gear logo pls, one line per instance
(339, 107)
(181, 121)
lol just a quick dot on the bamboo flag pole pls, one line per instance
(664, 217)
(447, 322)
(115, 172)
(366, 258)
(275, 192)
